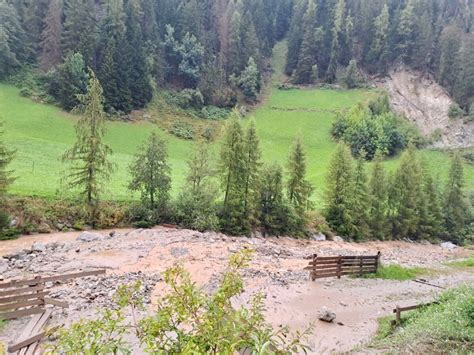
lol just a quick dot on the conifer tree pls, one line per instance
(71, 81)
(196, 206)
(249, 80)
(252, 171)
(434, 218)
(6, 157)
(361, 202)
(233, 173)
(336, 40)
(298, 188)
(454, 206)
(79, 33)
(405, 197)
(339, 196)
(377, 209)
(89, 156)
(406, 31)
(51, 54)
(307, 58)
(379, 50)
(151, 173)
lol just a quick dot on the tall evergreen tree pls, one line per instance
(339, 196)
(252, 167)
(89, 156)
(79, 33)
(378, 223)
(6, 157)
(339, 12)
(298, 188)
(454, 206)
(406, 31)
(72, 81)
(250, 80)
(233, 173)
(405, 197)
(307, 54)
(434, 220)
(151, 173)
(51, 54)
(360, 196)
(379, 50)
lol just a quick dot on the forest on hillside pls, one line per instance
(216, 52)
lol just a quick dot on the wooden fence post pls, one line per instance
(313, 271)
(360, 266)
(339, 266)
(377, 261)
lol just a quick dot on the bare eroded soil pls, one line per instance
(276, 270)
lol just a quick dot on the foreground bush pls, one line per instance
(187, 321)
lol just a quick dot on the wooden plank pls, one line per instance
(22, 304)
(30, 326)
(36, 337)
(54, 302)
(33, 349)
(21, 313)
(63, 277)
(22, 290)
(10, 299)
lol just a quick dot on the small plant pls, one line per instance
(187, 321)
(455, 111)
(214, 113)
(182, 129)
(396, 272)
(469, 262)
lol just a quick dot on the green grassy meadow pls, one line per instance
(41, 133)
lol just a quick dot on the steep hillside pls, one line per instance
(419, 98)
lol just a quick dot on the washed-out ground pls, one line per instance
(276, 270)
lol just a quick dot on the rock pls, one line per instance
(3, 266)
(448, 246)
(336, 238)
(44, 228)
(13, 222)
(319, 237)
(89, 237)
(38, 247)
(326, 315)
(177, 252)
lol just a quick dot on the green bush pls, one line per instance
(197, 211)
(182, 129)
(214, 113)
(186, 321)
(455, 111)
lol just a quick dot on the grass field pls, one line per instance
(41, 133)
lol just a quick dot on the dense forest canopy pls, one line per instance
(431, 36)
(217, 49)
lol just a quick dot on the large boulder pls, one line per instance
(319, 237)
(38, 247)
(326, 315)
(448, 246)
(89, 237)
(337, 238)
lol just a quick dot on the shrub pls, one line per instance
(197, 211)
(455, 111)
(187, 98)
(187, 321)
(214, 113)
(182, 129)
(208, 133)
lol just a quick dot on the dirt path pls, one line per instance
(276, 270)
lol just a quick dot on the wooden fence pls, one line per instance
(337, 266)
(398, 311)
(20, 298)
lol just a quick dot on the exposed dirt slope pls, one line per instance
(426, 103)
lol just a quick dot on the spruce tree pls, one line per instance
(405, 197)
(298, 188)
(377, 210)
(360, 227)
(79, 33)
(51, 54)
(249, 80)
(406, 32)
(434, 220)
(339, 195)
(303, 73)
(252, 171)
(89, 157)
(379, 50)
(151, 173)
(6, 157)
(196, 207)
(233, 173)
(72, 81)
(337, 28)
(454, 206)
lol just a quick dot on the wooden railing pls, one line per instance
(20, 298)
(337, 266)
